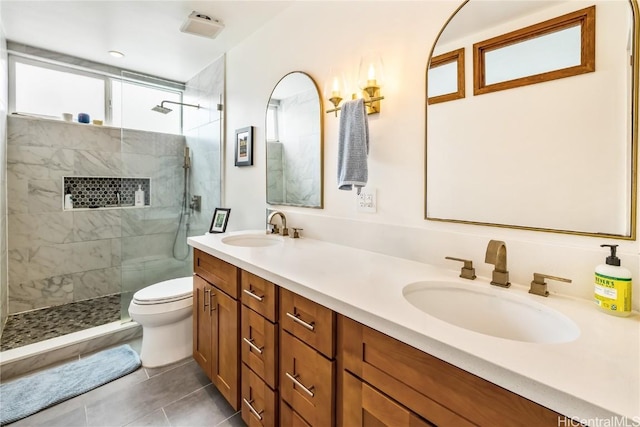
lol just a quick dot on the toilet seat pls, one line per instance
(165, 292)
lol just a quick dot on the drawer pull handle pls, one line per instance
(257, 414)
(294, 378)
(253, 346)
(212, 304)
(253, 295)
(296, 318)
(205, 299)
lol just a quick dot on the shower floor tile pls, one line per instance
(39, 325)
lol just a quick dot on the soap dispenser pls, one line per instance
(139, 196)
(613, 286)
(68, 199)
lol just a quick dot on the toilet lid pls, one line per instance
(164, 292)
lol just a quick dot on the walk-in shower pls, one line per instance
(83, 271)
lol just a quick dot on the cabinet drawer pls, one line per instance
(307, 381)
(260, 295)
(259, 344)
(309, 321)
(288, 417)
(259, 402)
(215, 271)
(429, 386)
(369, 407)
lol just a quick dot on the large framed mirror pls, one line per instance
(557, 154)
(294, 143)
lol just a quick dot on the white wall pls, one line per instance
(312, 37)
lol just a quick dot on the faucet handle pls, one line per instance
(274, 229)
(539, 286)
(296, 232)
(467, 271)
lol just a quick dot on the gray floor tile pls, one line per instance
(152, 372)
(114, 387)
(235, 421)
(205, 407)
(154, 419)
(66, 414)
(145, 397)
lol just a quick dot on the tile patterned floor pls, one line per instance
(175, 395)
(38, 325)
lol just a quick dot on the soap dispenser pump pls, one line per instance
(613, 286)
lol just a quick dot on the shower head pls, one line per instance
(164, 110)
(161, 109)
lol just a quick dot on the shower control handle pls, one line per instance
(196, 203)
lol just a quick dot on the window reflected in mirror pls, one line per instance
(554, 49)
(446, 77)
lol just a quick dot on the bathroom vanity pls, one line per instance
(323, 335)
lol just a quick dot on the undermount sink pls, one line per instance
(252, 240)
(491, 312)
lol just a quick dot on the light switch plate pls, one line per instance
(366, 200)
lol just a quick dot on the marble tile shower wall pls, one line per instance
(300, 156)
(57, 257)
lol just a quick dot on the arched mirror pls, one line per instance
(294, 143)
(541, 139)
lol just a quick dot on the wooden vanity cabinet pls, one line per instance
(216, 321)
(259, 348)
(379, 368)
(307, 361)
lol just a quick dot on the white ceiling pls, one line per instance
(146, 31)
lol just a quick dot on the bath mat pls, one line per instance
(27, 395)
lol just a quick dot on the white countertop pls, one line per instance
(594, 378)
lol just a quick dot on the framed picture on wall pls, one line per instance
(219, 221)
(244, 146)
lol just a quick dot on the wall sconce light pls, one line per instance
(370, 80)
(335, 88)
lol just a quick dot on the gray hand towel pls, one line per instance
(353, 146)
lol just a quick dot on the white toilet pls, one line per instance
(165, 312)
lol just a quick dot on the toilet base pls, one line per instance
(163, 345)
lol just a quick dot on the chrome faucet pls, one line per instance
(497, 255)
(274, 227)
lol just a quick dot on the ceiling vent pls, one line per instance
(202, 25)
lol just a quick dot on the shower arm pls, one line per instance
(179, 103)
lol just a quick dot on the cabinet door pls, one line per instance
(367, 407)
(289, 418)
(309, 321)
(307, 381)
(219, 273)
(259, 402)
(260, 295)
(260, 346)
(202, 324)
(226, 341)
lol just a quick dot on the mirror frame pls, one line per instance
(635, 90)
(321, 118)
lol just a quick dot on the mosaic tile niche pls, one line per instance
(100, 192)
